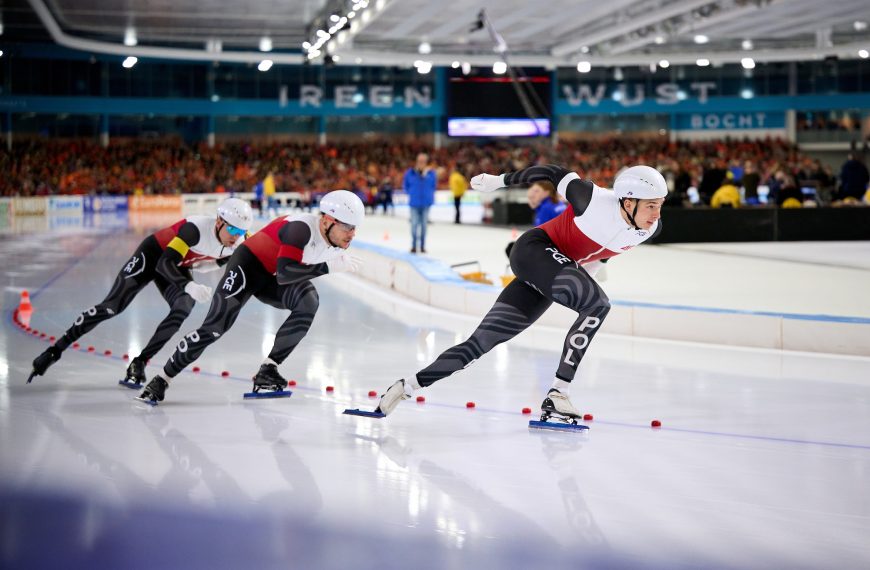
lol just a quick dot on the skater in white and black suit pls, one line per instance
(166, 257)
(556, 262)
(275, 265)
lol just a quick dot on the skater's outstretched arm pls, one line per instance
(576, 191)
(167, 265)
(570, 186)
(294, 237)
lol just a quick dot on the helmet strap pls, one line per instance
(631, 214)
(326, 234)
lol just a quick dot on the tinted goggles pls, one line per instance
(234, 231)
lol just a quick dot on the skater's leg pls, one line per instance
(536, 260)
(303, 301)
(516, 308)
(180, 306)
(244, 276)
(133, 277)
(575, 289)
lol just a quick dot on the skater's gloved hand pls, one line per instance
(487, 182)
(344, 262)
(200, 293)
(592, 268)
(205, 266)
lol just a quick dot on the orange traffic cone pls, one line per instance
(25, 309)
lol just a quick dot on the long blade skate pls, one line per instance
(255, 395)
(147, 400)
(557, 426)
(32, 376)
(357, 412)
(129, 384)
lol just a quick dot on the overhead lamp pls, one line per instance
(455, 65)
(424, 48)
(265, 65)
(701, 39)
(584, 49)
(130, 37)
(499, 67)
(584, 66)
(747, 63)
(747, 93)
(265, 43)
(617, 74)
(660, 40)
(746, 45)
(129, 62)
(306, 46)
(863, 53)
(423, 67)
(466, 68)
(703, 62)
(860, 25)
(664, 64)
(334, 18)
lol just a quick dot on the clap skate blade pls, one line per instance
(559, 423)
(128, 384)
(364, 413)
(257, 395)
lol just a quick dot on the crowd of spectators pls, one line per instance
(43, 167)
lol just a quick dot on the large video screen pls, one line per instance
(497, 127)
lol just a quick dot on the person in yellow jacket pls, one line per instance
(727, 196)
(458, 185)
(269, 193)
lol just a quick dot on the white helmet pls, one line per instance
(344, 206)
(236, 212)
(640, 182)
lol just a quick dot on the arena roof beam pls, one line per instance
(119, 49)
(735, 11)
(629, 25)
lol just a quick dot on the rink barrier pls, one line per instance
(434, 283)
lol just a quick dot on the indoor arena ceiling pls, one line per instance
(390, 32)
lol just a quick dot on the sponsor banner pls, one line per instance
(155, 204)
(68, 205)
(104, 203)
(30, 206)
(202, 203)
(730, 121)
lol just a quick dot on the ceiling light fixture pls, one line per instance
(130, 39)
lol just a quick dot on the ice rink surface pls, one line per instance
(762, 461)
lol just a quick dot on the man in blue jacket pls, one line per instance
(419, 183)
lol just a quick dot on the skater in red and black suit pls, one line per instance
(556, 262)
(166, 257)
(275, 265)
